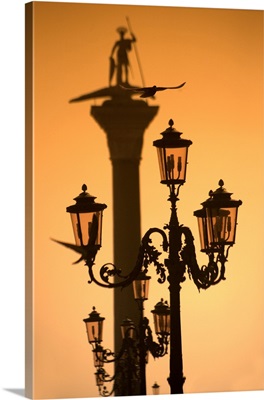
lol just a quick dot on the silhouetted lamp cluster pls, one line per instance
(217, 221)
(137, 342)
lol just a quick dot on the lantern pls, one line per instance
(172, 156)
(98, 353)
(100, 376)
(94, 327)
(220, 219)
(155, 388)
(128, 329)
(86, 216)
(141, 286)
(161, 314)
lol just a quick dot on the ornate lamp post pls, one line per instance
(137, 342)
(217, 222)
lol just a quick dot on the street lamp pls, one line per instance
(94, 327)
(221, 217)
(155, 388)
(86, 216)
(141, 287)
(162, 323)
(217, 222)
(172, 153)
(132, 357)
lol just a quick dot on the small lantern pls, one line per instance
(86, 216)
(94, 327)
(98, 353)
(161, 314)
(172, 155)
(141, 286)
(128, 329)
(100, 376)
(156, 388)
(220, 219)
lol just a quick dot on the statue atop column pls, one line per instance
(120, 68)
(120, 65)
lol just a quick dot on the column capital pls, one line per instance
(124, 124)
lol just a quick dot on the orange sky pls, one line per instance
(219, 53)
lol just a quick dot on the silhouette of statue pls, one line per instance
(122, 47)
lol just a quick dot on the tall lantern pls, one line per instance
(161, 314)
(98, 353)
(156, 388)
(86, 216)
(221, 218)
(100, 376)
(172, 156)
(94, 327)
(141, 286)
(128, 329)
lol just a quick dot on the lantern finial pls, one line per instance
(84, 187)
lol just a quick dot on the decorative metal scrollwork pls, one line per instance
(209, 274)
(127, 360)
(147, 255)
(151, 254)
(159, 349)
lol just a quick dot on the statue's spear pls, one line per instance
(136, 52)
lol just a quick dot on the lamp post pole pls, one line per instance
(175, 274)
(142, 353)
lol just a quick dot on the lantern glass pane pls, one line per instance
(221, 225)
(203, 233)
(87, 228)
(141, 289)
(172, 164)
(94, 331)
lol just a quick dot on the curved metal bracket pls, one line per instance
(156, 349)
(147, 254)
(209, 274)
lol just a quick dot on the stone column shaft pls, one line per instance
(124, 124)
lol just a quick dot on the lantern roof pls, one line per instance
(94, 316)
(85, 203)
(161, 308)
(221, 198)
(127, 322)
(171, 138)
(201, 213)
